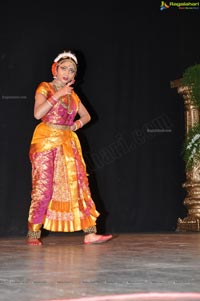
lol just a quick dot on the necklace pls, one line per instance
(57, 84)
(66, 104)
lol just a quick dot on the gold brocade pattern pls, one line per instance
(68, 220)
(61, 189)
(70, 206)
(42, 181)
(34, 227)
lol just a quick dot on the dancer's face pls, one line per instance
(66, 71)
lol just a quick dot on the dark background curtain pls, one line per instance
(128, 53)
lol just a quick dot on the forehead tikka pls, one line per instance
(67, 60)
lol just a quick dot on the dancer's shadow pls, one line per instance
(101, 221)
(90, 167)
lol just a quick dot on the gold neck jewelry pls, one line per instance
(57, 84)
(67, 105)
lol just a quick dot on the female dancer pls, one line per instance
(60, 198)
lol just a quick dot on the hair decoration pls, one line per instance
(53, 69)
(65, 54)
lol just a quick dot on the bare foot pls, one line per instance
(96, 238)
(34, 242)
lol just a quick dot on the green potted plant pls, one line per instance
(191, 78)
(192, 146)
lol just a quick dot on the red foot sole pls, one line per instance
(102, 239)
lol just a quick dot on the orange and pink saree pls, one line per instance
(60, 197)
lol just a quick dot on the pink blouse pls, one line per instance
(64, 111)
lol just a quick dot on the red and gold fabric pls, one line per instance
(60, 198)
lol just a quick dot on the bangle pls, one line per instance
(52, 100)
(53, 97)
(80, 122)
(49, 103)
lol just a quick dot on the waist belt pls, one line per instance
(58, 126)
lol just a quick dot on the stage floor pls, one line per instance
(64, 268)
